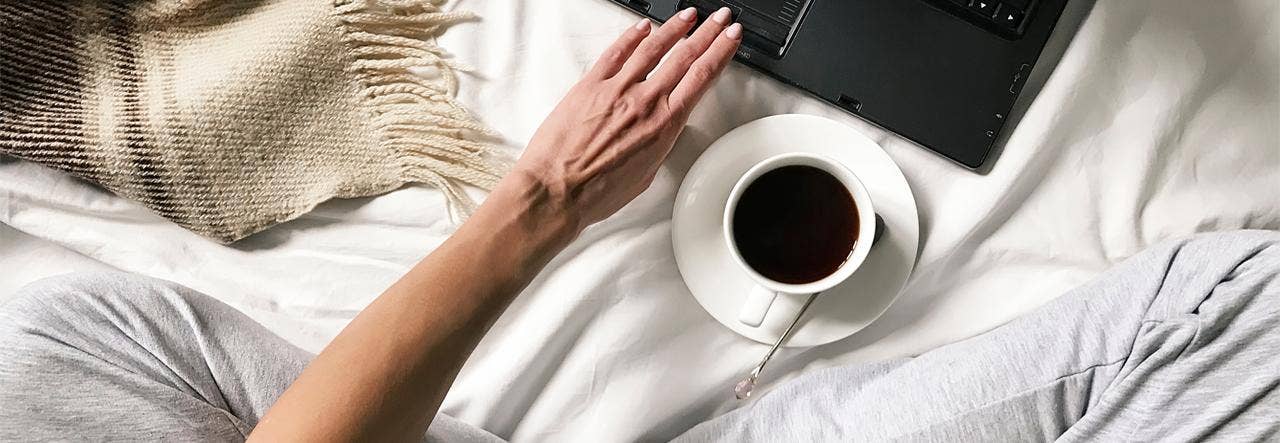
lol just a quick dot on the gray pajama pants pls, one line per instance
(1179, 343)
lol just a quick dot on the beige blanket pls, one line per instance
(230, 116)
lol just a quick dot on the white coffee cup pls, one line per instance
(761, 297)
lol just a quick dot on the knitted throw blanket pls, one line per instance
(230, 116)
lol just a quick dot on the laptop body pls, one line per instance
(942, 73)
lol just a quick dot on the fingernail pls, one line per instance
(734, 31)
(642, 25)
(722, 16)
(688, 14)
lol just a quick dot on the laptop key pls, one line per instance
(985, 7)
(1009, 17)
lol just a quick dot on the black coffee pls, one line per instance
(795, 224)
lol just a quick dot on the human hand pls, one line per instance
(604, 142)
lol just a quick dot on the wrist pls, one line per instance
(534, 212)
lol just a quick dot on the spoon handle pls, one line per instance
(743, 389)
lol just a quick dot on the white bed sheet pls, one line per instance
(1161, 120)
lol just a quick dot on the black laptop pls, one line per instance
(943, 73)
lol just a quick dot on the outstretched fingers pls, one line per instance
(654, 47)
(702, 74)
(688, 51)
(612, 60)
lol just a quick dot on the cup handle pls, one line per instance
(758, 303)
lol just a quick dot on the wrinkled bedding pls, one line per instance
(1160, 119)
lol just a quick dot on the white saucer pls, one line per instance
(720, 286)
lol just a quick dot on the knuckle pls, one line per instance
(649, 92)
(701, 74)
(613, 56)
(623, 106)
(676, 108)
(651, 51)
(628, 108)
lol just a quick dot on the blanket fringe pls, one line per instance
(417, 116)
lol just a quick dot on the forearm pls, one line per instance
(410, 343)
(385, 375)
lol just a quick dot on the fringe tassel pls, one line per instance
(416, 117)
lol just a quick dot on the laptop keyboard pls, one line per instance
(768, 24)
(1005, 17)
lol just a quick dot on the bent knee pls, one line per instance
(74, 297)
(1229, 279)
(1251, 265)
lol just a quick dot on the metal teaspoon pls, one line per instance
(743, 389)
